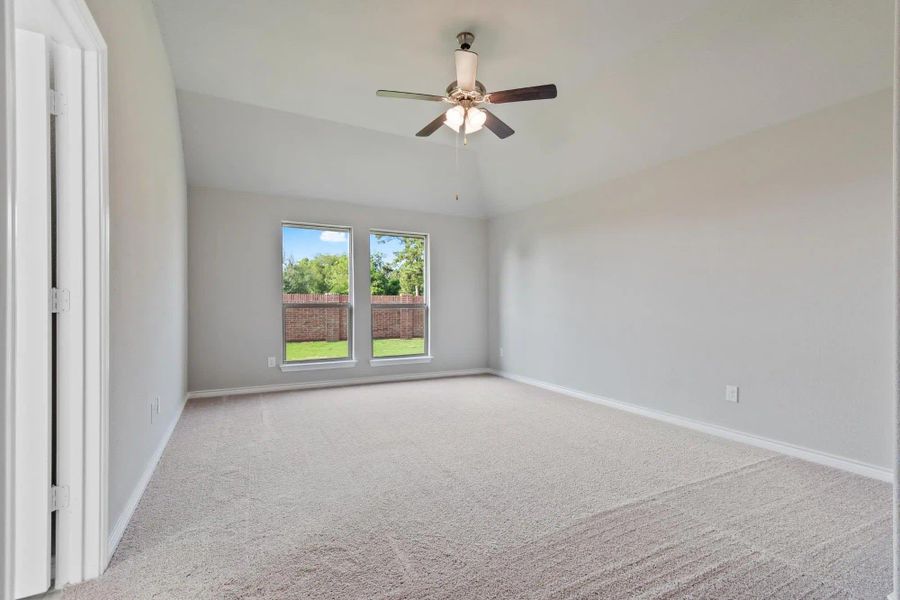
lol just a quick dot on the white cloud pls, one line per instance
(333, 236)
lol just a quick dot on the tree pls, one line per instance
(296, 278)
(335, 273)
(383, 280)
(410, 265)
(330, 273)
(322, 274)
(405, 274)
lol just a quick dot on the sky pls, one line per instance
(306, 243)
(387, 245)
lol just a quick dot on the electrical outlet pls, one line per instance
(271, 362)
(154, 409)
(731, 393)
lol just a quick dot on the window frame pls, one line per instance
(321, 363)
(425, 356)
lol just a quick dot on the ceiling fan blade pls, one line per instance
(433, 126)
(409, 95)
(500, 129)
(466, 69)
(535, 92)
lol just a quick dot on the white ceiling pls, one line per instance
(279, 95)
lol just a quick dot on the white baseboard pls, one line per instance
(815, 456)
(307, 385)
(118, 530)
(822, 458)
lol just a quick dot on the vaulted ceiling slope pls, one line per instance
(243, 147)
(278, 96)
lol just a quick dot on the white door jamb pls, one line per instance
(83, 336)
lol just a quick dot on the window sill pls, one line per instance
(399, 360)
(317, 366)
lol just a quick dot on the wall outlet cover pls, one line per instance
(271, 362)
(731, 393)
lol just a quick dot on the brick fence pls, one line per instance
(327, 323)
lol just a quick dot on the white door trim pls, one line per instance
(85, 524)
(68, 85)
(82, 528)
(7, 299)
(33, 349)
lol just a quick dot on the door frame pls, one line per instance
(82, 427)
(7, 301)
(82, 436)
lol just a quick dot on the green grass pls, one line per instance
(322, 350)
(398, 347)
(315, 350)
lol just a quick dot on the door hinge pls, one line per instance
(57, 103)
(59, 300)
(59, 497)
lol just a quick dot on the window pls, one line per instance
(317, 293)
(398, 267)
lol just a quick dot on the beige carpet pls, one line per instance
(479, 487)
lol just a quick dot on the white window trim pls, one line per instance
(337, 363)
(317, 365)
(400, 360)
(427, 356)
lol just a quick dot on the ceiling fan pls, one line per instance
(467, 95)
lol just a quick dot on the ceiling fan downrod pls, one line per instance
(465, 39)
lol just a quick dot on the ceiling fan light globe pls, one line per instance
(475, 119)
(455, 117)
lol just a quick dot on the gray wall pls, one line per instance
(896, 421)
(6, 243)
(148, 246)
(765, 262)
(235, 286)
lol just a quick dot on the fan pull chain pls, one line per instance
(463, 129)
(456, 147)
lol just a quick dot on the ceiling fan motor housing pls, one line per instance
(456, 94)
